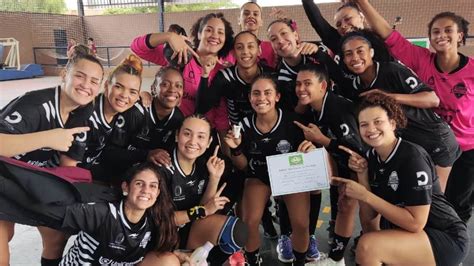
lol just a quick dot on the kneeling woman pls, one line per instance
(399, 194)
(268, 132)
(193, 184)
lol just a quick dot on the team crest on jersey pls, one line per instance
(393, 180)
(145, 239)
(283, 146)
(201, 186)
(459, 90)
(117, 244)
(14, 118)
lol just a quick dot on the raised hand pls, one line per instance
(217, 202)
(61, 139)
(231, 140)
(180, 47)
(356, 163)
(215, 165)
(307, 48)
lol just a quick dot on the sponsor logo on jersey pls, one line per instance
(117, 244)
(393, 180)
(459, 90)
(283, 146)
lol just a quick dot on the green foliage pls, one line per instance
(172, 8)
(35, 6)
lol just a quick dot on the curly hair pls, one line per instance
(463, 24)
(154, 88)
(392, 108)
(199, 25)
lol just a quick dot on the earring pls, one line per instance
(125, 193)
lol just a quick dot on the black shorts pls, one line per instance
(449, 247)
(183, 233)
(439, 141)
(264, 178)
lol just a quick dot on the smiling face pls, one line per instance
(358, 55)
(82, 81)
(170, 89)
(123, 91)
(376, 129)
(142, 191)
(212, 36)
(309, 88)
(250, 17)
(348, 19)
(247, 50)
(194, 137)
(445, 35)
(284, 40)
(264, 96)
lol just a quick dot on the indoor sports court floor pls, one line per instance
(26, 244)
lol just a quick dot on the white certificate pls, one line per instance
(298, 172)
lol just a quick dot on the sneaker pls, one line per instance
(285, 249)
(327, 262)
(330, 230)
(313, 252)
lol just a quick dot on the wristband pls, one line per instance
(196, 213)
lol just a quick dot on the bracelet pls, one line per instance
(196, 213)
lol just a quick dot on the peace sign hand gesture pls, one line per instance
(217, 202)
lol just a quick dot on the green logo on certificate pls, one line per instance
(295, 159)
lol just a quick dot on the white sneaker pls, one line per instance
(327, 262)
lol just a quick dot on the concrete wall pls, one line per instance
(36, 30)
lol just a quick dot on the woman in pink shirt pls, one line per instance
(451, 75)
(212, 41)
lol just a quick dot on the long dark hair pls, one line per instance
(162, 211)
(229, 32)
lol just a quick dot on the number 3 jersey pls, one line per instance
(408, 178)
(38, 111)
(284, 137)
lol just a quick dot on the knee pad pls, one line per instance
(233, 235)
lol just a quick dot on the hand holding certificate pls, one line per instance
(298, 172)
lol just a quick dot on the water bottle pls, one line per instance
(199, 256)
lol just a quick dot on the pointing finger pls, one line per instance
(219, 191)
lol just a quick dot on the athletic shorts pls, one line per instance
(183, 233)
(449, 247)
(439, 141)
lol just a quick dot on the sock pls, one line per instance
(285, 226)
(217, 257)
(338, 247)
(315, 207)
(50, 262)
(252, 256)
(333, 196)
(300, 258)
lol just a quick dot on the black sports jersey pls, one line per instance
(106, 237)
(186, 190)
(139, 130)
(338, 114)
(228, 84)
(39, 111)
(393, 77)
(408, 178)
(287, 80)
(98, 134)
(284, 137)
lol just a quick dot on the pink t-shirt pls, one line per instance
(268, 55)
(455, 90)
(191, 76)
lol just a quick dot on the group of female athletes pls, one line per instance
(395, 118)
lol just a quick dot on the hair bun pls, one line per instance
(134, 62)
